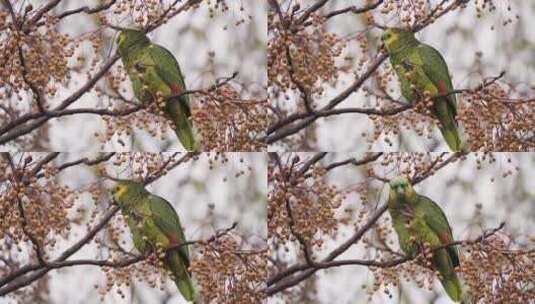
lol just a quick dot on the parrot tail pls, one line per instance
(181, 276)
(185, 135)
(182, 124)
(452, 138)
(452, 285)
(185, 285)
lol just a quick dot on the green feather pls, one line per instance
(417, 217)
(160, 72)
(424, 67)
(153, 221)
(166, 219)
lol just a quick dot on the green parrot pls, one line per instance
(154, 70)
(417, 220)
(421, 66)
(153, 221)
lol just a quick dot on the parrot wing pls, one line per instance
(436, 69)
(166, 219)
(168, 69)
(437, 221)
(177, 260)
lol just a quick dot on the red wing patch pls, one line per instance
(444, 237)
(442, 87)
(175, 88)
(172, 238)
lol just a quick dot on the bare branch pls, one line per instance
(19, 127)
(351, 9)
(37, 15)
(169, 165)
(392, 263)
(305, 122)
(316, 6)
(45, 160)
(435, 166)
(84, 9)
(353, 161)
(310, 162)
(86, 161)
(221, 82)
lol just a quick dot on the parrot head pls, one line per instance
(128, 38)
(396, 38)
(400, 187)
(123, 189)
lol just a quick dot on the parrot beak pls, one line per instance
(400, 191)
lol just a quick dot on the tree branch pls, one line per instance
(138, 258)
(86, 161)
(316, 6)
(45, 160)
(84, 9)
(404, 258)
(169, 165)
(353, 161)
(350, 9)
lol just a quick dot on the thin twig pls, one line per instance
(85, 9)
(353, 161)
(350, 9)
(86, 161)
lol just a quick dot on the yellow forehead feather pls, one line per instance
(390, 37)
(120, 189)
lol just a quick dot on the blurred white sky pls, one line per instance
(457, 188)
